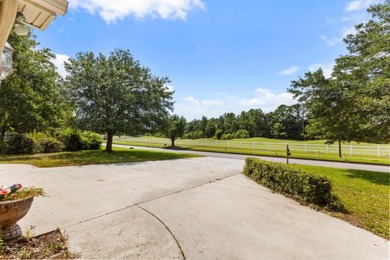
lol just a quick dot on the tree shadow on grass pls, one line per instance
(380, 178)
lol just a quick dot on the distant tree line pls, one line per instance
(286, 122)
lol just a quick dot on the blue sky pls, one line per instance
(221, 56)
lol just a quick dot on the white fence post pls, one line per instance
(350, 150)
(379, 151)
(327, 148)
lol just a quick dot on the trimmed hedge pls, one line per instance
(294, 183)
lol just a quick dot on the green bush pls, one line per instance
(91, 141)
(45, 143)
(49, 145)
(75, 140)
(219, 134)
(194, 135)
(19, 144)
(72, 139)
(300, 185)
(241, 134)
(227, 136)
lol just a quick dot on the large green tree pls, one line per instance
(364, 74)
(354, 104)
(30, 98)
(329, 107)
(116, 95)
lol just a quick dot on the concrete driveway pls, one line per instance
(200, 208)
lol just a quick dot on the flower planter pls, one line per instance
(10, 213)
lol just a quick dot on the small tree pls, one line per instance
(175, 128)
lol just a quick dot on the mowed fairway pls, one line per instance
(316, 149)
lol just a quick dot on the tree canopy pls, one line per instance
(354, 104)
(116, 95)
(30, 98)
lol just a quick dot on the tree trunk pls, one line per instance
(339, 148)
(172, 141)
(109, 142)
(4, 130)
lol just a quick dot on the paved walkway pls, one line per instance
(200, 208)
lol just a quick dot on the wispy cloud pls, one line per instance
(331, 41)
(59, 63)
(289, 71)
(356, 14)
(265, 99)
(327, 68)
(111, 11)
(357, 5)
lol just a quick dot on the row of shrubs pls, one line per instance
(297, 184)
(67, 140)
(219, 134)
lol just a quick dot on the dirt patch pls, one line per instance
(49, 245)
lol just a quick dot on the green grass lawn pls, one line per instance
(119, 155)
(365, 195)
(213, 146)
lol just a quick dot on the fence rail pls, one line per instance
(382, 150)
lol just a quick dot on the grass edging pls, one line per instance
(302, 186)
(88, 157)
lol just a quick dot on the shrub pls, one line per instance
(71, 139)
(49, 145)
(19, 144)
(187, 136)
(75, 140)
(300, 185)
(45, 143)
(91, 141)
(219, 134)
(241, 134)
(227, 136)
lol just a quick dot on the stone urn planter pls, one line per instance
(10, 213)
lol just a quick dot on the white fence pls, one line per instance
(382, 150)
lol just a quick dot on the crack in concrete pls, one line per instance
(146, 201)
(167, 228)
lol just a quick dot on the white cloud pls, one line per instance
(357, 5)
(170, 88)
(193, 108)
(267, 100)
(59, 63)
(289, 71)
(331, 41)
(327, 68)
(348, 30)
(111, 11)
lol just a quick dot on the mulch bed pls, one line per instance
(51, 245)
